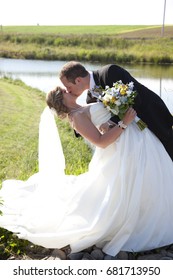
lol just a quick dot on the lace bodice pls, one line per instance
(99, 114)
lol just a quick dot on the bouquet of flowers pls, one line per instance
(118, 99)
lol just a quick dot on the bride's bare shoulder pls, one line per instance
(82, 111)
(79, 114)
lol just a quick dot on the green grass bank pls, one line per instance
(108, 44)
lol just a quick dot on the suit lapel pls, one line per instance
(96, 78)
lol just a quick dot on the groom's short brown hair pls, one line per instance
(72, 70)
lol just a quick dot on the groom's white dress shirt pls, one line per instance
(92, 82)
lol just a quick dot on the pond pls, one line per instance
(44, 75)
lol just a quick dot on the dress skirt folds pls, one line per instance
(123, 203)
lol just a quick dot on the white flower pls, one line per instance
(129, 92)
(107, 97)
(119, 82)
(131, 85)
(117, 102)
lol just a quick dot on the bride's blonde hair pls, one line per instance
(54, 99)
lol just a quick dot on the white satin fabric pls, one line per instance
(123, 202)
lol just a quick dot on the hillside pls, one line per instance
(154, 32)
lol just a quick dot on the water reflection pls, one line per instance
(44, 75)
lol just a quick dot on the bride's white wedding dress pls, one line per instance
(124, 201)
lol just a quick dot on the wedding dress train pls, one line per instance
(124, 201)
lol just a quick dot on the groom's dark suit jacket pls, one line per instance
(148, 105)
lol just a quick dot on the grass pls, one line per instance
(74, 29)
(20, 110)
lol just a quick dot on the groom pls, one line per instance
(148, 105)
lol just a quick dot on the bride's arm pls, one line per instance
(83, 124)
(103, 128)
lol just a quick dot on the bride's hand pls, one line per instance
(129, 116)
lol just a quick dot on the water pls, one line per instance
(44, 75)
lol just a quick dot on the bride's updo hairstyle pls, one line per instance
(54, 100)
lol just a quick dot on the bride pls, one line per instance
(122, 203)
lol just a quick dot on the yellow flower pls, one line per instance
(105, 102)
(123, 89)
(113, 99)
